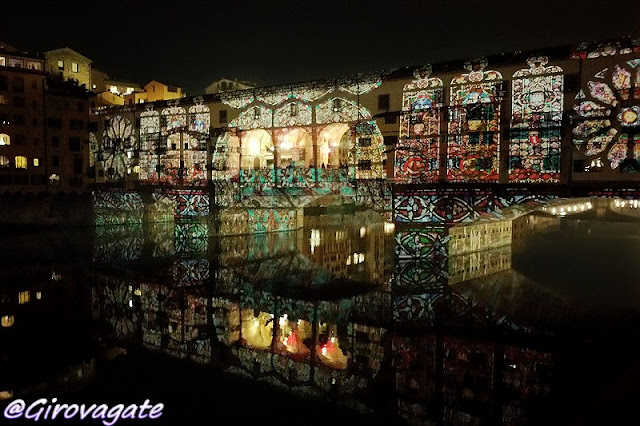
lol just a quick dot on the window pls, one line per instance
(21, 162)
(36, 162)
(172, 89)
(76, 124)
(55, 161)
(222, 116)
(74, 144)
(5, 139)
(383, 102)
(19, 139)
(55, 141)
(61, 65)
(54, 123)
(389, 119)
(4, 82)
(34, 65)
(24, 297)
(18, 101)
(4, 161)
(4, 100)
(3, 61)
(16, 63)
(18, 84)
(74, 66)
(18, 119)
(77, 166)
(364, 164)
(364, 142)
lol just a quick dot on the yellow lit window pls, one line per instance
(7, 320)
(38, 295)
(24, 297)
(74, 67)
(5, 139)
(61, 65)
(21, 162)
(3, 61)
(36, 162)
(4, 161)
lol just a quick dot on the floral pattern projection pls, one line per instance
(536, 120)
(171, 138)
(609, 118)
(296, 136)
(118, 146)
(417, 154)
(474, 125)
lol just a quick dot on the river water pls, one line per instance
(347, 320)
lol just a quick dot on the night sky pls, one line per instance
(192, 43)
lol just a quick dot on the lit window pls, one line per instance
(7, 320)
(4, 161)
(5, 139)
(74, 66)
(113, 89)
(24, 297)
(38, 295)
(21, 162)
(61, 65)
(94, 86)
(129, 90)
(36, 162)
(4, 100)
(3, 61)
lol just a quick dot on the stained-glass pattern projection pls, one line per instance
(118, 146)
(339, 110)
(367, 156)
(608, 48)
(200, 119)
(237, 100)
(292, 114)
(174, 117)
(274, 96)
(360, 84)
(150, 142)
(93, 149)
(312, 92)
(417, 152)
(609, 118)
(256, 117)
(474, 125)
(536, 120)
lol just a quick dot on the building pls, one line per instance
(227, 85)
(157, 91)
(22, 135)
(67, 135)
(69, 64)
(567, 115)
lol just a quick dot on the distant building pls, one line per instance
(157, 91)
(67, 132)
(226, 85)
(21, 121)
(69, 64)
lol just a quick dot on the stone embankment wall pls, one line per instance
(47, 209)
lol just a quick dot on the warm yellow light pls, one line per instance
(389, 227)
(38, 295)
(7, 320)
(254, 146)
(24, 297)
(363, 232)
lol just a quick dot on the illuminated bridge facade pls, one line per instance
(442, 142)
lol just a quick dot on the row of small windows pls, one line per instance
(20, 63)
(20, 162)
(17, 83)
(74, 66)
(56, 123)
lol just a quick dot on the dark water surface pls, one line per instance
(329, 324)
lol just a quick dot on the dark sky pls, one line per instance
(192, 43)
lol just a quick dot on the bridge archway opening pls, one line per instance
(333, 145)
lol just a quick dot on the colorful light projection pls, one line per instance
(474, 125)
(149, 143)
(417, 153)
(292, 114)
(118, 146)
(609, 113)
(536, 120)
(608, 48)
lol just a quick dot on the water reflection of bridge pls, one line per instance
(328, 311)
